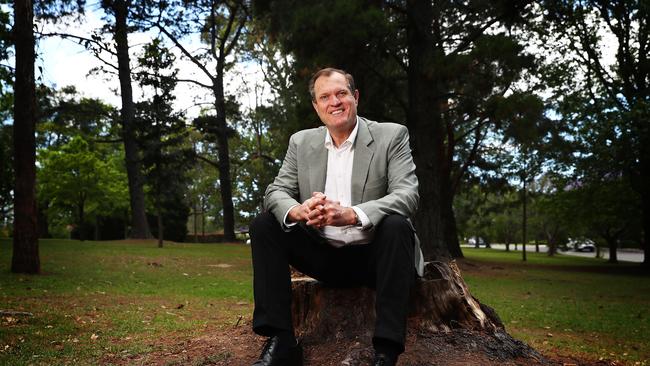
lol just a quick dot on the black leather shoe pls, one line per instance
(273, 355)
(382, 359)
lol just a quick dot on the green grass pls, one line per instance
(123, 298)
(119, 297)
(567, 305)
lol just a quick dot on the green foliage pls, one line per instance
(65, 114)
(605, 105)
(6, 178)
(79, 183)
(6, 130)
(162, 138)
(494, 216)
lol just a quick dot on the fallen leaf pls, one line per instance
(94, 337)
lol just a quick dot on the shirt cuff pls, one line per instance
(285, 223)
(365, 221)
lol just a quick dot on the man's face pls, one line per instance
(335, 104)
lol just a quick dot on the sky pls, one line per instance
(64, 62)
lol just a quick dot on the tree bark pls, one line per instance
(646, 231)
(25, 258)
(139, 225)
(161, 230)
(424, 121)
(81, 226)
(612, 242)
(225, 182)
(523, 223)
(43, 226)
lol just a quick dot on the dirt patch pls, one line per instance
(239, 346)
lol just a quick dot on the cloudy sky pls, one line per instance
(64, 62)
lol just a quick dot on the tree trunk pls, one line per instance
(81, 226)
(552, 244)
(43, 225)
(25, 258)
(161, 230)
(139, 224)
(451, 230)
(196, 216)
(445, 323)
(427, 134)
(612, 242)
(646, 230)
(225, 183)
(523, 224)
(96, 231)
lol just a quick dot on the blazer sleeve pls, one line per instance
(402, 195)
(281, 195)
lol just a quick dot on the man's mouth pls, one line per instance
(336, 112)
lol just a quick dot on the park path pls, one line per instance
(624, 255)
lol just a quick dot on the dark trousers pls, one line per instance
(386, 264)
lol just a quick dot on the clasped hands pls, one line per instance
(318, 211)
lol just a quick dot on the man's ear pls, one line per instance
(356, 96)
(313, 104)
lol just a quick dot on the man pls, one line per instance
(339, 212)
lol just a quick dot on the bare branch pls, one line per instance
(192, 58)
(478, 138)
(208, 161)
(81, 39)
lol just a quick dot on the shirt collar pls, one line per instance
(348, 142)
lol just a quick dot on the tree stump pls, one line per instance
(446, 324)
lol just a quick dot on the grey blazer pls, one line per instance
(383, 174)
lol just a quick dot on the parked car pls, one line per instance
(582, 245)
(476, 241)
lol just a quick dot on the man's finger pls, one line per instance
(313, 214)
(317, 222)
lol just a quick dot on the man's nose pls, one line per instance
(334, 100)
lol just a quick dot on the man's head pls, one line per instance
(335, 99)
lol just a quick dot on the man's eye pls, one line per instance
(342, 93)
(324, 98)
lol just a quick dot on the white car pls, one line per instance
(582, 245)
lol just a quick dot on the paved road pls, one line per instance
(625, 255)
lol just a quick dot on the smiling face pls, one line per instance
(335, 103)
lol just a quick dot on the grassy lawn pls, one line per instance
(566, 305)
(124, 298)
(95, 298)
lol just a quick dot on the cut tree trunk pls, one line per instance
(446, 325)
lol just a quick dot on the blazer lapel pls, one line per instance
(361, 164)
(317, 163)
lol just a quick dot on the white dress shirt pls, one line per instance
(338, 187)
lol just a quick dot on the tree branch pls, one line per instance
(88, 41)
(192, 58)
